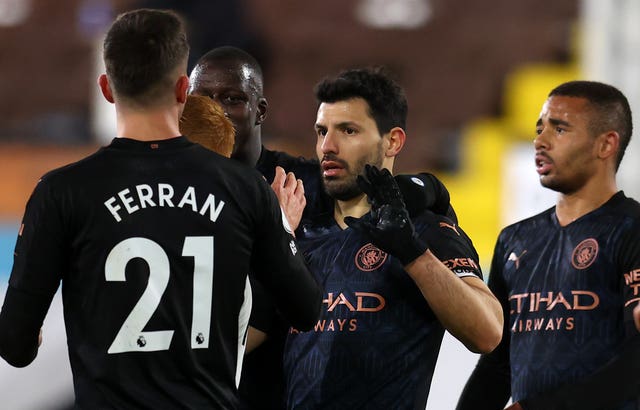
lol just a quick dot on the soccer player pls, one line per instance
(234, 79)
(203, 121)
(568, 277)
(152, 237)
(390, 290)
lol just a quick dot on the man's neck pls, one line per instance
(355, 207)
(148, 125)
(570, 207)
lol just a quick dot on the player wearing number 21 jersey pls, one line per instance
(153, 242)
(152, 238)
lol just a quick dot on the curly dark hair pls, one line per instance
(386, 99)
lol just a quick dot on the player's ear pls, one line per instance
(181, 88)
(608, 144)
(262, 110)
(105, 88)
(396, 137)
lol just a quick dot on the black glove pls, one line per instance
(425, 191)
(390, 227)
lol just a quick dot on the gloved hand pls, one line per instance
(424, 191)
(390, 227)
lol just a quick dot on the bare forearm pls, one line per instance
(465, 307)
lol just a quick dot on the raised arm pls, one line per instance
(290, 193)
(464, 306)
(281, 269)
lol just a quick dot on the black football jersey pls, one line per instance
(262, 384)
(569, 292)
(153, 242)
(377, 340)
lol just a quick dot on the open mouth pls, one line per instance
(543, 164)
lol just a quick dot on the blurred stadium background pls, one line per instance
(476, 74)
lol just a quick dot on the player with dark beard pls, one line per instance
(392, 283)
(234, 79)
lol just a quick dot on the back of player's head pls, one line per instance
(611, 111)
(236, 57)
(203, 121)
(144, 53)
(386, 99)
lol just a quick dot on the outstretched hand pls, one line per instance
(390, 227)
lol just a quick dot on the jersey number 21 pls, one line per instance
(131, 338)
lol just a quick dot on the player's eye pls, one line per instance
(232, 99)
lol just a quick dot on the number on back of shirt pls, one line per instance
(131, 337)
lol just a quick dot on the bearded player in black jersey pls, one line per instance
(234, 79)
(152, 238)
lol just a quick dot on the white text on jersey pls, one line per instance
(143, 196)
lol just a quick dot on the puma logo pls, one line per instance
(452, 227)
(515, 258)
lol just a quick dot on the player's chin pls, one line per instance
(547, 181)
(340, 189)
(335, 182)
(332, 185)
(555, 185)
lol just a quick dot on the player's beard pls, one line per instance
(345, 188)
